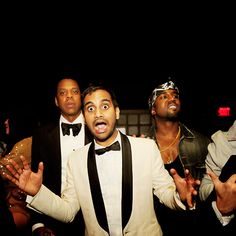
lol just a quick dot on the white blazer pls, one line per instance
(148, 176)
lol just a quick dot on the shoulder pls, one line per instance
(23, 147)
(202, 136)
(46, 128)
(231, 134)
(219, 136)
(225, 136)
(191, 133)
(219, 141)
(141, 142)
(80, 152)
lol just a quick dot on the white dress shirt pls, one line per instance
(70, 143)
(109, 166)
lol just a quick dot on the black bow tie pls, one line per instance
(115, 147)
(66, 128)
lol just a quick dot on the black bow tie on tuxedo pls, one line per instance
(114, 147)
(66, 128)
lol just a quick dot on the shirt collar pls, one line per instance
(118, 138)
(79, 119)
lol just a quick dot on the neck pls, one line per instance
(167, 128)
(167, 138)
(107, 140)
(71, 118)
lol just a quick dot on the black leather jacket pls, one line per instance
(192, 150)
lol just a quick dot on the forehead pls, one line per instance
(97, 96)
(169, 91)
(161, 94)
(67, 83)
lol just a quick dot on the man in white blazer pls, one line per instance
(114, 188)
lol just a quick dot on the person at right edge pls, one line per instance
(181, 148)
(218, 186)
(52, 143)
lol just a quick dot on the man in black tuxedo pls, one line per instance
(52, 143)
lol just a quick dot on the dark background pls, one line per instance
(130, 48)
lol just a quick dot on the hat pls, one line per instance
(159, 90)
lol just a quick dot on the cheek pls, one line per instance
(113, 119)
(88, 119)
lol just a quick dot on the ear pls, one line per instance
(153, 112)
(56, 101)
(117, 113)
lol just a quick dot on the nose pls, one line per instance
(99, 113)
(69, 95)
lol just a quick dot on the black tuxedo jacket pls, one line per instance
(46, 147)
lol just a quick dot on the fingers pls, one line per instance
(11, 178)
(189, 178)
(189, 202)
(187, 173)
(14, 168)
(173, 172)
(232, 179)
(213, 176)
(190, 198)
(25, 163)
(14, 174)
(40, 168)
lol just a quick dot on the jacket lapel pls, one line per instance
(127, 180)
(88, 136)
(127, 184)
(96, 190)
(54, 142)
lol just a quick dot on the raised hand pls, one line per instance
(225, 192)
(23, 177)
(186, 187)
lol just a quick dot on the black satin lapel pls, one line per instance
(88, 136)
(127, 180)
(96, 190)
(54, 143)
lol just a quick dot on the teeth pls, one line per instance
(172, 106)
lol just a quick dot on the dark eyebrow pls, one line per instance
(106, 100)
(88, 103)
